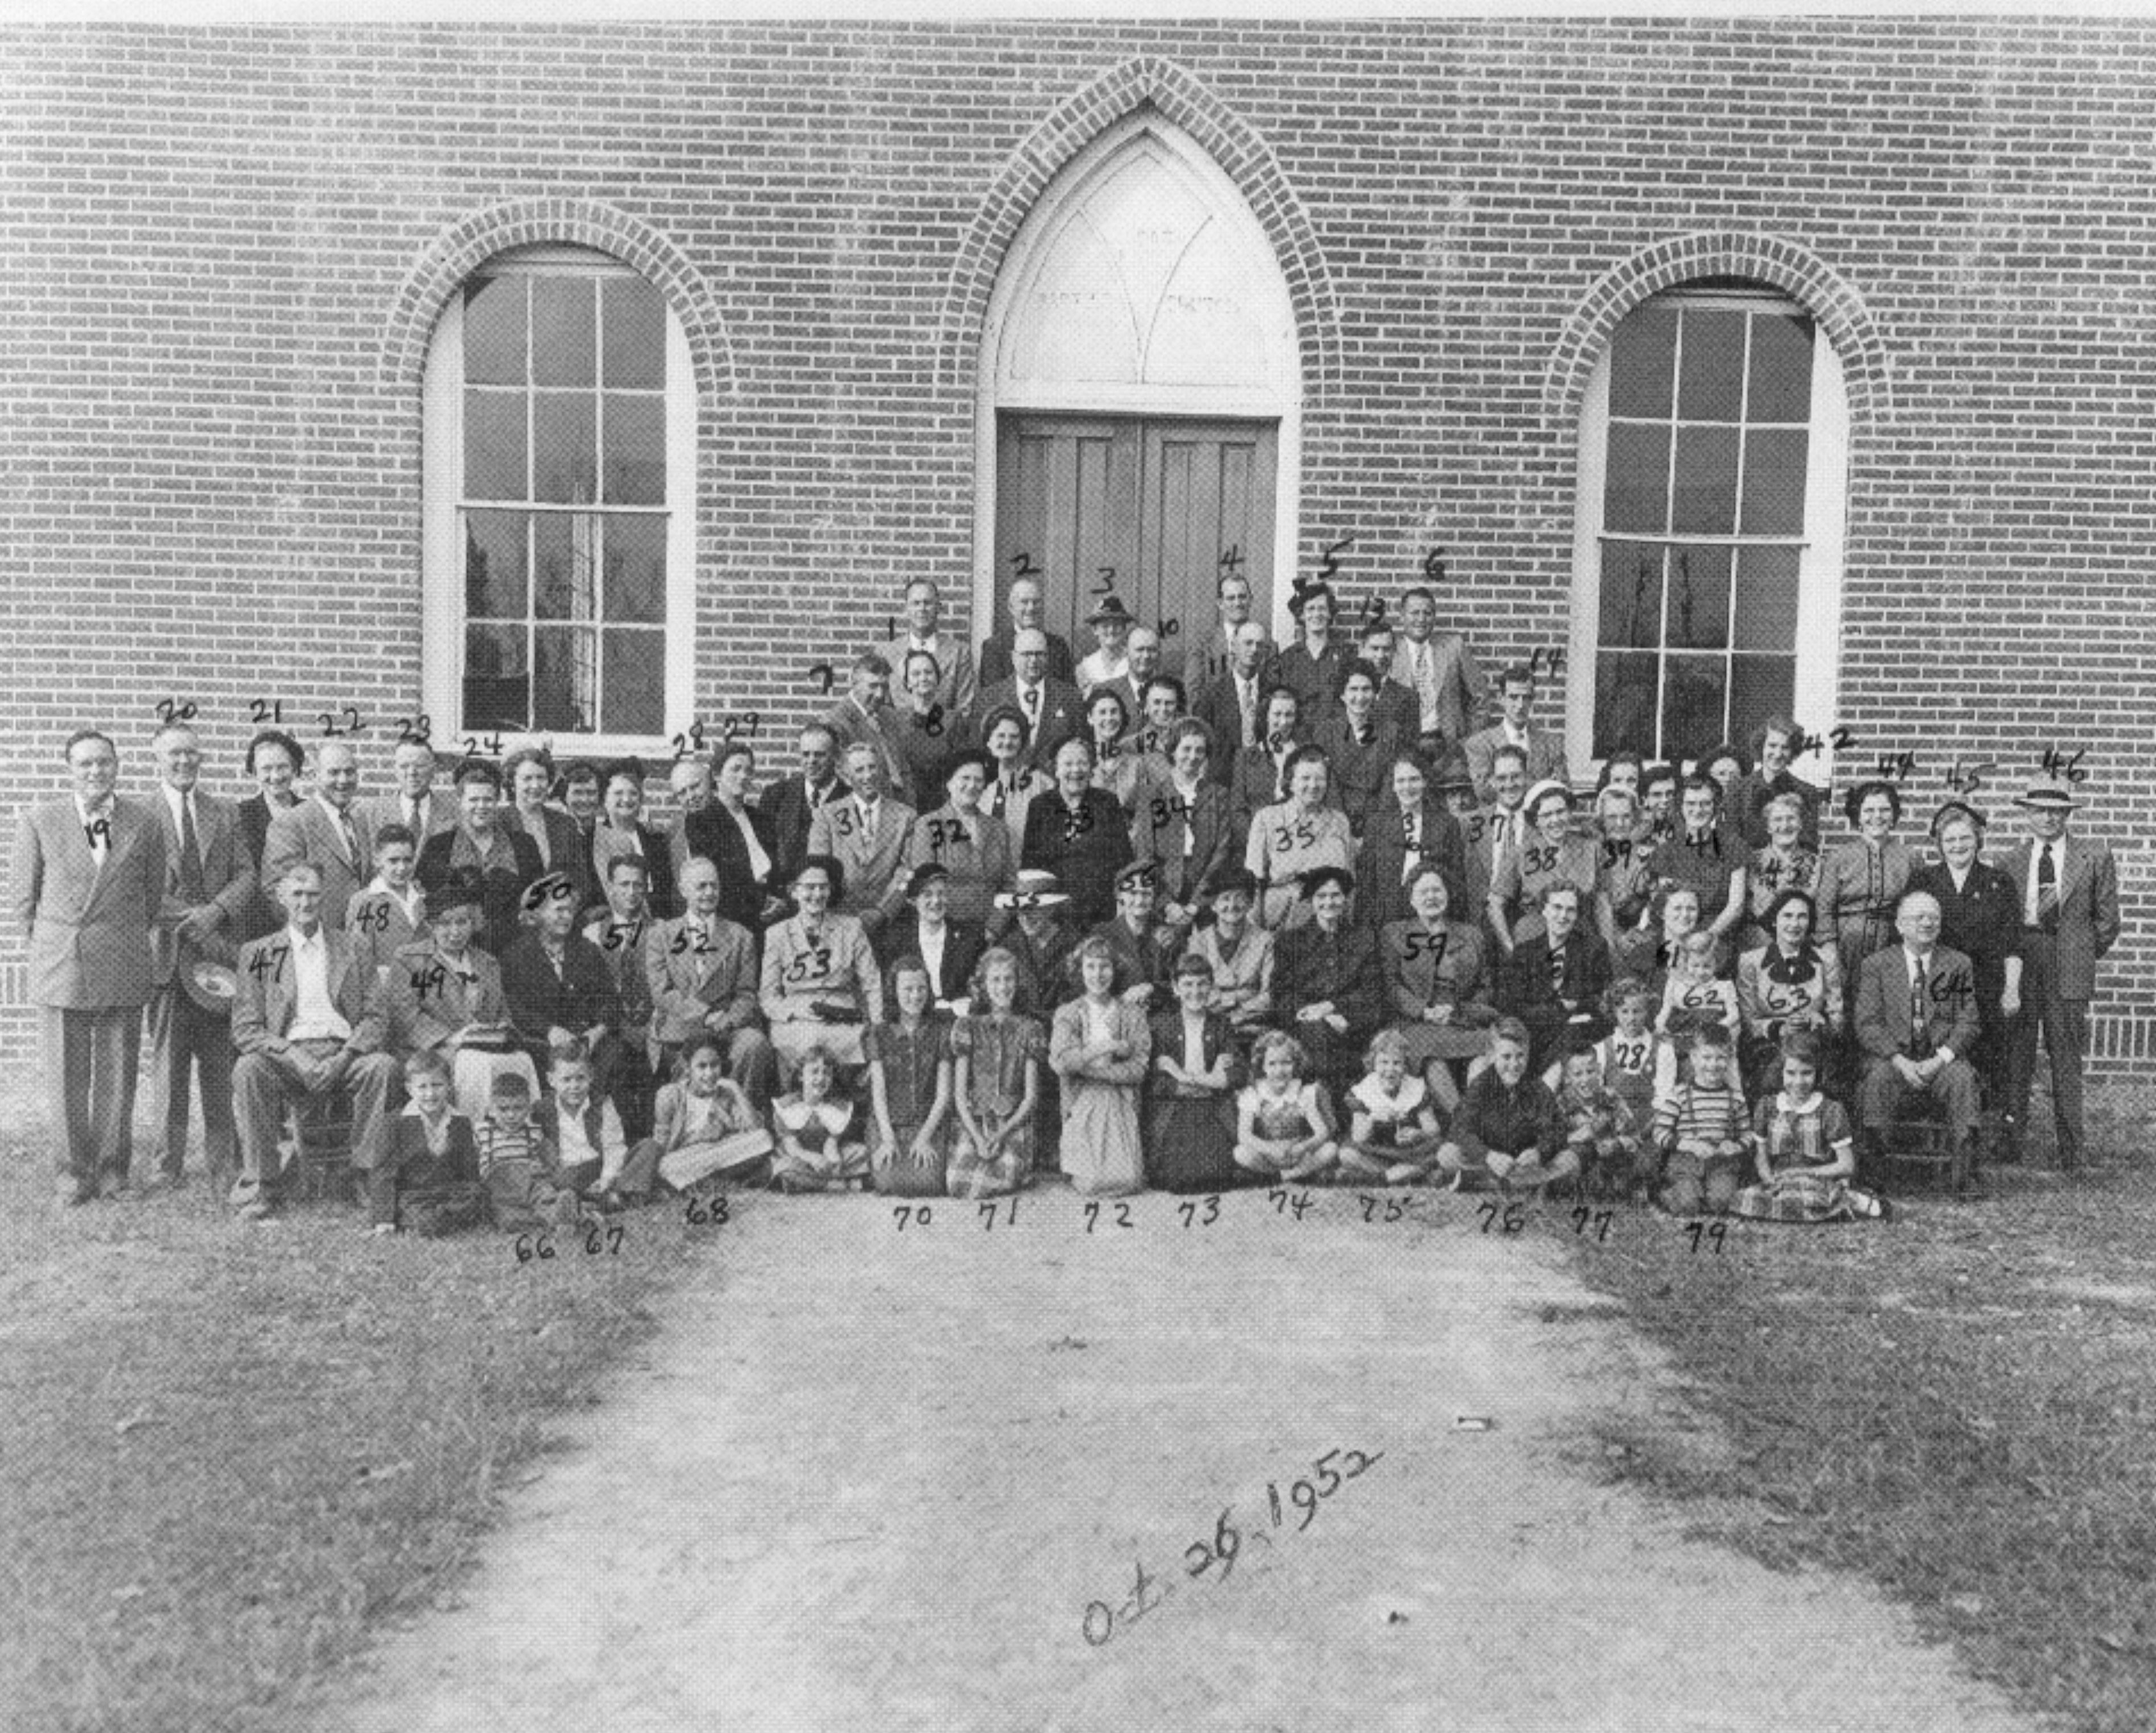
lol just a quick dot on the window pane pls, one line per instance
(634, 335)
(1706, 500)
(1693, 707)
(1774, 461)
(1635, 494)
(564, 580)
(636, 570)
(494, 565)
(1781, 368)
(562, 687)
(635, 681)
(494, 332)
(565, 428)
(1623, 702)
(1632, 594)
(1767, 598)
(635, 450)
(1699, 598)
(497, 686)
(564, 331)
(494, 445)
(1710, 371)
(1759, 687)
(1643, 364)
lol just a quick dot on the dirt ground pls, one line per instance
(869, 1477)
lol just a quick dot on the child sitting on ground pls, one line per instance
(1284, 1128)
(1639, 1065)
(1602, 1130)
(590, 1147)
(519, 1164)
(1393, 1132)
(819, 1146)
(423, 1172)
(1806, 1154)
(704, 1131)
(997, 1084)
(1508, 1127)
(1702, 1131)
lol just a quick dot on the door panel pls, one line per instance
(1208, 505)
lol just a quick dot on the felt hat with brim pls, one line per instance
(2053, 795)
(211, 985)
(924, 875)
(1318, 878)
(1112, 610)
(1033, 888)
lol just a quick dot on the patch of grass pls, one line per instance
(227, 1449)
(1956, 1404)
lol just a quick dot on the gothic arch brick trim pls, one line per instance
(1795, 270)
(465, 245)
(1138, 85)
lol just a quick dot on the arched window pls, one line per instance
(1711, 501)
(560, 503)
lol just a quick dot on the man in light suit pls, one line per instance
(418, 804)
(1053, 711)
(956, 687)
(1916, 1021)
(863, 716)
(1544, 751)
(703, 972)
(1439, 669)
(2069, 891)
(308, 1022)
(88, 884)
(865, 834)
(329, 831)
(209, 887)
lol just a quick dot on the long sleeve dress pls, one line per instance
(1101, 1150)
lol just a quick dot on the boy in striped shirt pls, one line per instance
(1704, 1131)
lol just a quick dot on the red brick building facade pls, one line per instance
(231, 252)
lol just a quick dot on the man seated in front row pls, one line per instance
(307, 1023)
(1916, 1018)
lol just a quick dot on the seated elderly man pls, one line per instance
(820, 984)
(307, 1022)
(1916, 1021)
(702, 972)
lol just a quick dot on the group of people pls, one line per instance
(1255, 913)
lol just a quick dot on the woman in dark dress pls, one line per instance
(1979, 916)
(1079, 833)
(1403, 831)
(1190, 1108)
(1328, 988)
(275, 760)
(737, 839)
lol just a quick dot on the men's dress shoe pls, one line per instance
(123, 1191)
(72, 1192)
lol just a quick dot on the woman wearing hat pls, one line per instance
(1979, 916)
(1860, 880)
(1012, 782)
(1145, 949)
(973, 848)
(1438, 980)
(930, 932)
(1041, 938)
(1407, 829)
(1327, 983)
(445, 996)
(1239, 953)
(1551, 854)
(1111, 660)
(1295, 837)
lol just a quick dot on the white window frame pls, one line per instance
(442, 660)
(1819, 569)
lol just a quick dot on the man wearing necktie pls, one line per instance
(329, 831)
(1916, 1018)
(1440, 669)
(1232, 704)
(418, 804)
(207, 890)
(2068, 887)
(1052, 708)
(88, 881)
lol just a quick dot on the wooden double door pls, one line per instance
(1153, 508)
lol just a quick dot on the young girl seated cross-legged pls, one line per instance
(1393, 1133)
(1284, 1128)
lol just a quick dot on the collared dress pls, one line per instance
(1798, 1139)
(913, 1061)
(1102, 1148)
(1858, 887)
(997, 1047)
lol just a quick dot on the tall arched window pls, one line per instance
(1710, 508)
(560, 503)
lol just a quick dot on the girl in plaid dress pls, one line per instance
(1805, 1154)
(999, 1052)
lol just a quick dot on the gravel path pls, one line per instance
(876, 1478)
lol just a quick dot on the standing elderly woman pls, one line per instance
(1100, 1045)
(1979, 916)
(1781, 863)
(1789, 983)
(1078, 833)
(1551, 854)
(972, 847)
(1860, 880)
(1438, 980)
(737, 838)
(1013, 781)
(1293, 837)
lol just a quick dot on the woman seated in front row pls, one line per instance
(1437, 977)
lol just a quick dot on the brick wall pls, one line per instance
(225, 247)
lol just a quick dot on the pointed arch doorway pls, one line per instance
(1139, 415)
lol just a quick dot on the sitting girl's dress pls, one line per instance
(1292, 1118)
(997, 1047)
(1388, 1113)
(815, 1153)
(699, 1140)
(1796, 1140)
(913, 1061)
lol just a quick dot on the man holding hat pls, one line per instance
(2068, 888)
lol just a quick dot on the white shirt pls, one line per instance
(1098, 670)
(412, 899)
(181, 801)
(1422, 675)
(315, 1014)
(1193, 1044)
(575, 1147)
(931, 953)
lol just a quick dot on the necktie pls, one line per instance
(191, 860)
(1556, 970)
(415, 816)
(1246, 694)
(2047, 888)
(351, 839)
(815, 796)
(1919, 1002)
(1032, 711)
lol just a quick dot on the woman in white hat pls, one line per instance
(1550, 853)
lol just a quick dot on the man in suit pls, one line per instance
(1233, 706)
(863, 716)
(1554, 981)
(418, 804)
(308, 1022)
(89, 881)
(1543, 750)
(956, 685)
(791, 802)
(703, 972)
(1493, 829)
(619, 927)
(1141, 649)
(1439, 669)
(2069, 891)
(999, 657)
(209, 887)
(1206, 660)
(1916, 1020)
(1398, 707)
(329, 831)
(865, 834)
(690, 782)
(1052, 708)
(558, 986)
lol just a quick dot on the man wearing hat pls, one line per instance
(558, 986)
(1145, 947)
(702, 972)
(2068, 888)
(1053, 709)
(1042, 935)
(928, 930)
(1112, 621)
(307, 1022)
